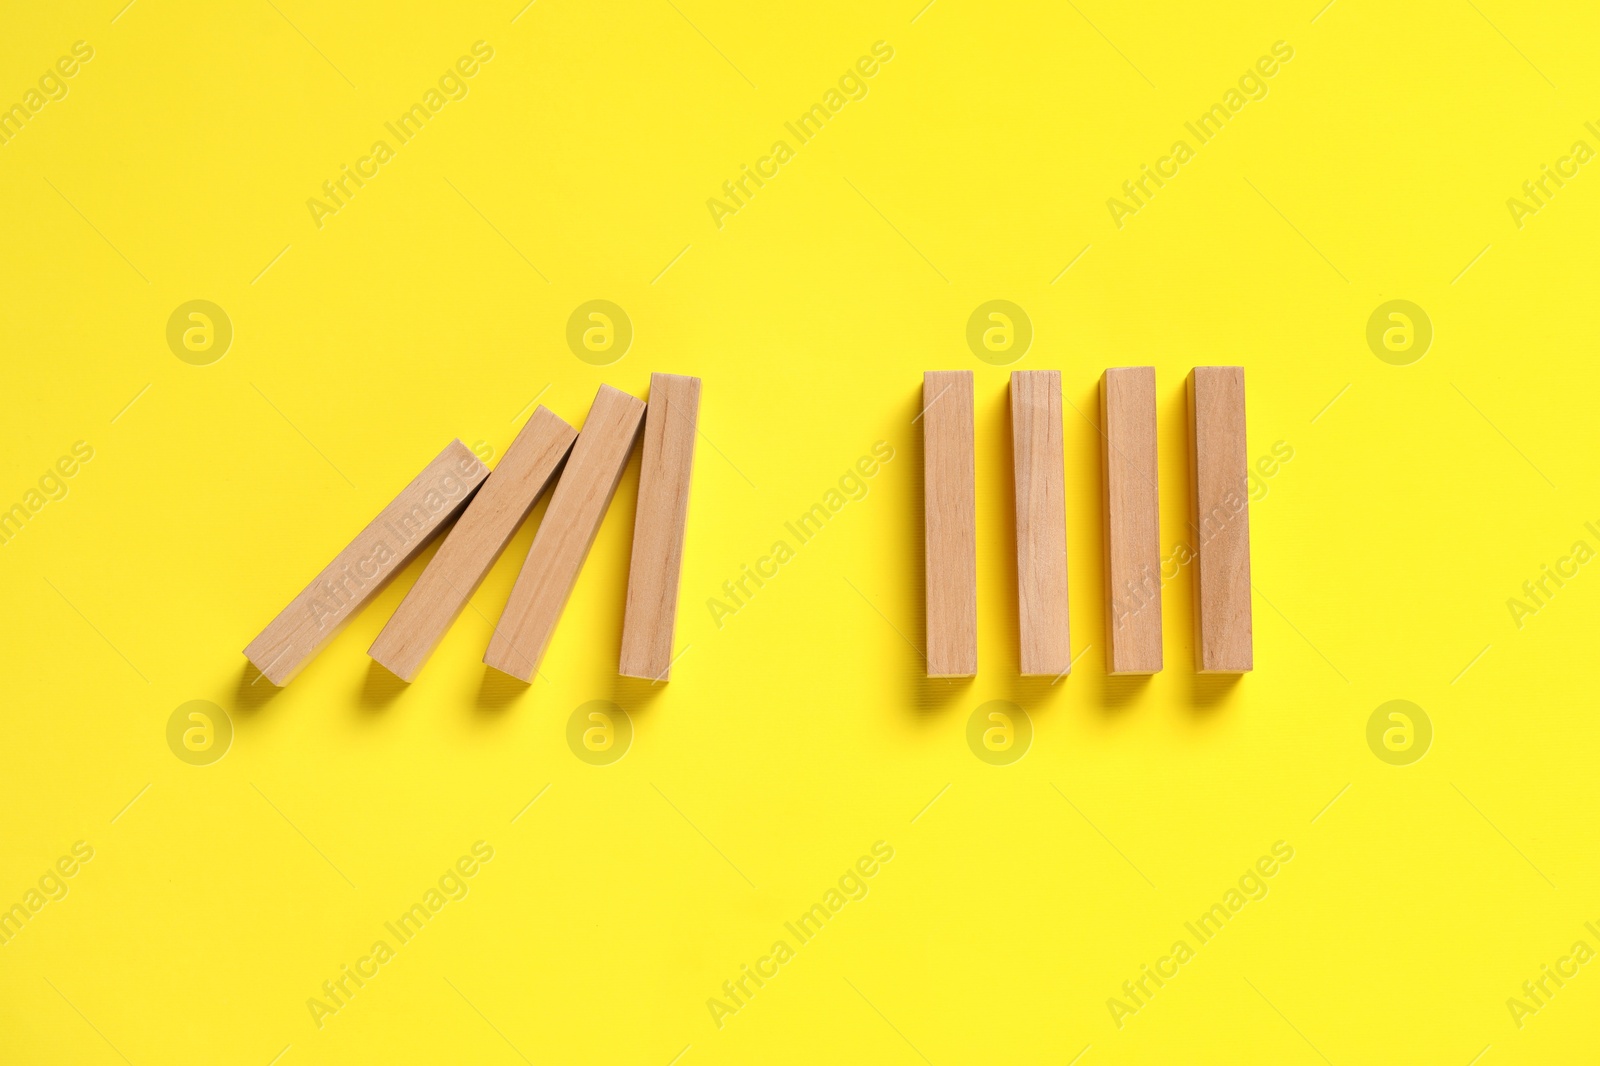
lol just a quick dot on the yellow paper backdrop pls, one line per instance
(1366, 154)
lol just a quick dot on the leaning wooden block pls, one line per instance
(1219, 474)
(950, 523)
(1039, 465)
(486, 527)
(566, 534)
(1132, 520)
(364, 567)
(658, 526)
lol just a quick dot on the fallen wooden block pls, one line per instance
(1132, 520)
(1039, 466)
(1219, 475)
(566, 534)
(402, 529)
(657, 563)
(950, 523)
(470, 550)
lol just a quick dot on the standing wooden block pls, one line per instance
(1039, 462)
(1219, 489)
(486, 527)
(566, 534)
(950, 523)
(657, 563)
(1132, 520)
(364, 567)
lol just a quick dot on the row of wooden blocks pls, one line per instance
(491, 508)
(1219, 520)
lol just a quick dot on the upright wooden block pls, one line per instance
(559, 548)
(1219, 484)
(1039, 464)
(1132, 520)
(366, 564)
(658, 525)
(471, 548)
(950, 523)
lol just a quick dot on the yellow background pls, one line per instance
(800, 732)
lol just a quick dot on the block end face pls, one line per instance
(639, 659)
(954, 666)
(671, 379)
(500, 663)
(267, 667)
(1224, 661)
(1046, 662)
(391, 661)
(473, 470)
(545, 423)
(611, 394)
(1135, 663)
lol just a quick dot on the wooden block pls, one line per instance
(559, 548)
(485, 528)
(657, 563)
(1132, 520)
(1039, 463)
(364, 567)
(950, 523)
(1219, 488)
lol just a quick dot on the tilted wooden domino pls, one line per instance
(1039, 465)
(1132, 520)
(950, 523)
(471, 548)
(1219, 475)
(565, 536)
(357, 574)
(658, 527)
